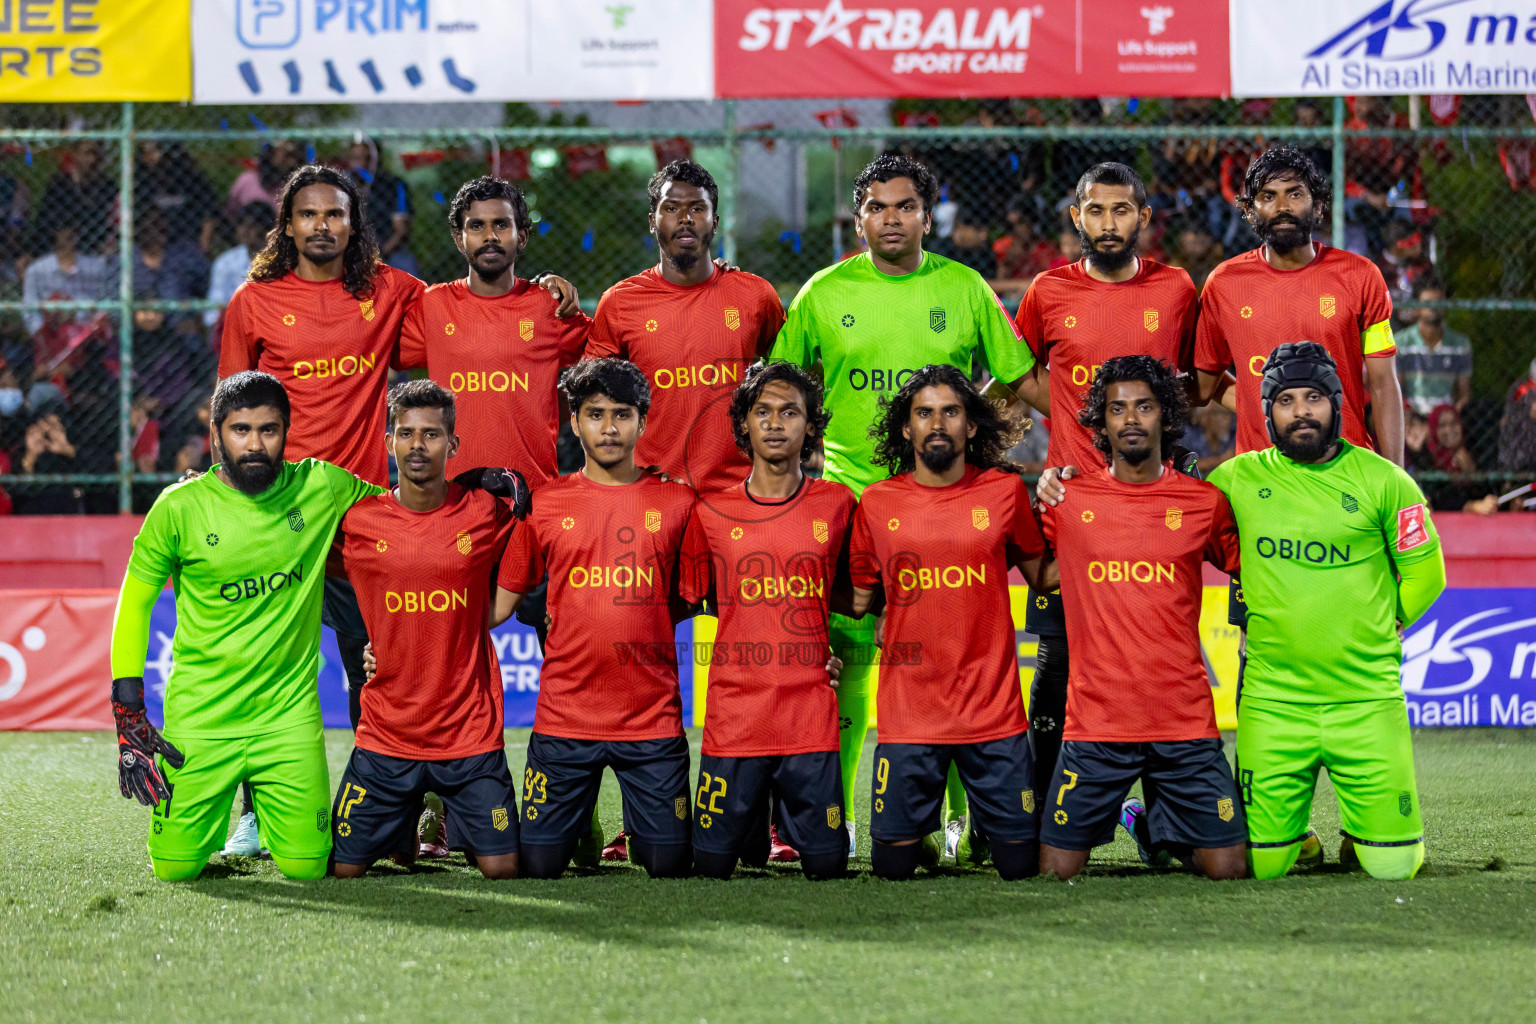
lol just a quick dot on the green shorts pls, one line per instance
(1366, 747)
(290, 785)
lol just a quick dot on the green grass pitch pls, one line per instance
(87, 934)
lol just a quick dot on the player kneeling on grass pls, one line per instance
(423, 559)
(1339, 554)
(766, 553)
(245, 546)
(939, 537)
(1129, 539)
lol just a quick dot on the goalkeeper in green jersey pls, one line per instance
(871, 321)
(1338, 555)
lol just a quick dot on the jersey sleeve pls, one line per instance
(1002, 347)
(604, 338)
(1376, 314)
(1048, 527)
(1212, 353)
(796, 342)
(1031, 323)
(575, 335)
(694, 568)
(1412, 543)
(522, 565)
(1222, 547)
(346, 489)
(153, 559)
(1189, 319)
(411, 352)
(863, 563)
(1024, 540)
(239, 347)
(770, 320)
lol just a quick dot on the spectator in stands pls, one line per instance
(64, 343)
(166, 180)
(1517, 428)
(13, 409)
(1070, 244)
(1030, 452)
(1214, 437)
(64, 274)
(967, 243)
(1196, 250)
(255, 222)
(1403, 263)
(1437, 445)
(47, 449)
(261, 183)
(80, 194)
(388, 204)
(145, 427)
(1434, 362)
(1021, 253)
(1309, 114)
(15, 210)
(194, 452)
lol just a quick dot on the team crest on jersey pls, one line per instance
(834, 817)
(499, 819)
(381, 546)
(652, 520)
(1028, 797)
(980, 519)
(1349, 503)
(1224, 809)
(819, 530)
(365, 307)
(465, 543)
(295, 520)
(1325, 306)
(732, 318)
(936, 322)
(1173, 518)
(448, 328)
(680, 808)
(1405, 803)
(1149, 319)
(525, 329)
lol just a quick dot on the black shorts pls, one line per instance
(1187, 785)
(380, 801)
(1237, 608)
(1044, 614)
(732, 800)
(339, 609)
(998, 778)
(562, 777)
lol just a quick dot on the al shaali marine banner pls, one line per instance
(415, 51)
(1382, 47)
(79, 51)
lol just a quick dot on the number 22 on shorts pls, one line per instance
(706, 783)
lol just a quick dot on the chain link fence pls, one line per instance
(105, 375)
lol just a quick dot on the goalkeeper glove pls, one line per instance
(501, 483)
(137, 744)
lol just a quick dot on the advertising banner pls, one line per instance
(418, 51)
(944, 48)
(77, 51)
(1382, 47)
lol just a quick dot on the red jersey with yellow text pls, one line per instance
(692, 342)
(949, 670)
(1130, 558)
(611, 552)
(1074, 323)
(771, 566)
(424, 582)
(331, 352)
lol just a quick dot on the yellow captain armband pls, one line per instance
(1377, 339)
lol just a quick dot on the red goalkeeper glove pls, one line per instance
(137, 744)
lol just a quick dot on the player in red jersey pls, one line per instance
(1112, 302)
(423, 559)
(766, 552)
(609, 538)
(1129, 541)
(692, 328)
(939, 537)
(1294, 289)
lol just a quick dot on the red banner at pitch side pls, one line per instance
(941, 48)
(55, 659)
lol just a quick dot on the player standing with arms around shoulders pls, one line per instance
(766, 551)
(938, 537)
(423, 559)
(245, 546)
(872, 321)
(609, 537)
(1129, 541)
(1339, 555)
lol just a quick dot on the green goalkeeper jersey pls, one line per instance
(871, 330)
(1323, 546)
(249, 577)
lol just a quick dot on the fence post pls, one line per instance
(1337, 233)
(729, 182)
(125, 466)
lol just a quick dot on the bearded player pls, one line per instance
(766, 552)
(245, 547)
(423, 559)
(872, 321)
(938, 538)
(1129, 541)
(1113, 302)
(608, 537)
(1339, 555)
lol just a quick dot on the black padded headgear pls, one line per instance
(1301, 364)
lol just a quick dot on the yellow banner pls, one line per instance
(74, 51)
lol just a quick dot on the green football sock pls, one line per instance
(1391, 862)
(954, 795)
(1272, 861)
(854, 702)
